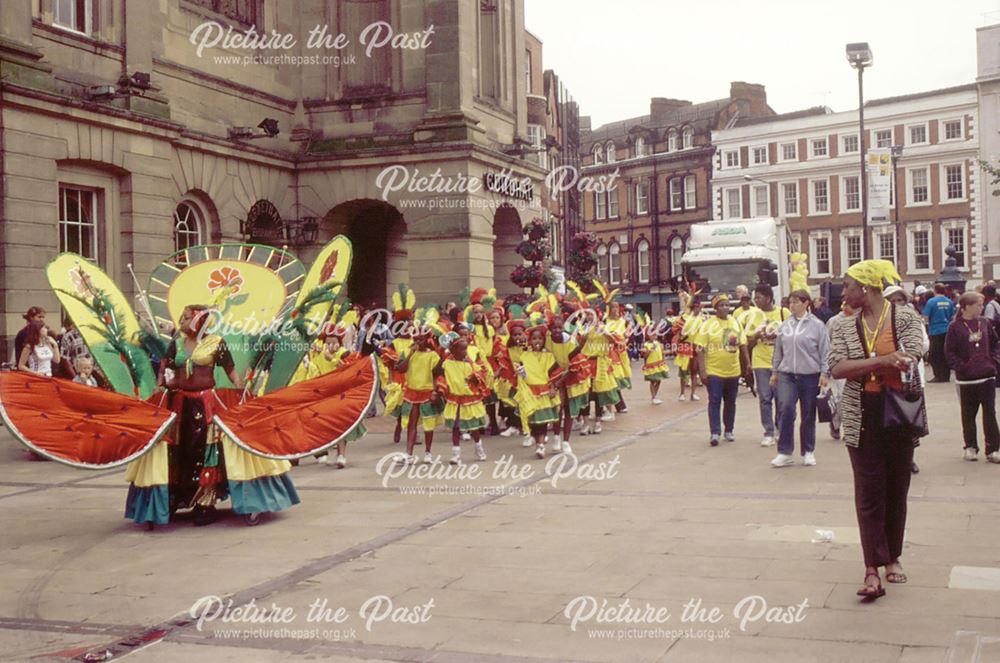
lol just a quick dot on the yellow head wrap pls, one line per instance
(874, 273)
(721, 297)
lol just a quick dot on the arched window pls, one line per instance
(602, 265)
(688, 137)
(642, 260)
(188, 227)
(609, 151)
(640, 146)
(597, 154)
(676, 251)
(614, 264)
(672, 140)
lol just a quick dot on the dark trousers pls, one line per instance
(722, 393)
(881, 464)
(971, 396)
(802, 389)
(938, 361)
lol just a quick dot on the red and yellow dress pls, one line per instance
(604, 386)
(538, 369)
(418, 388)
(685, 328)
(394, 390)
(506, 380)
(617, 331)
(463, 383)
(655, 368)
(576, 388)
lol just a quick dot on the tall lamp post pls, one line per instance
(860, 56)
(896, 152)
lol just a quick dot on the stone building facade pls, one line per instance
(660, 169)
(988, 87)
(123, 140)
(805, 168)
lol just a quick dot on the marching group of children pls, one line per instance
(534, 371)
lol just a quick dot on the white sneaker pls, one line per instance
(568, 450)
(783, 460)
(624, 410)
(768, 441)
(341, 461)
(428, 458)
(466, 437)
(528, 441)
(540, 451)
(971, 454)
(323, 460)
(695, 397)
(597, 428)
(993, 457)
(401, 459)
(456, 456)
(809, 458)
(509, 432)
(577, 424)
(556, 446)
(657, 401)
(480, 452)
(729, 437)
(586, 429)
(608, 416)
(682, 398)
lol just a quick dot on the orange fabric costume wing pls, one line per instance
(79, 425)
(307, 417)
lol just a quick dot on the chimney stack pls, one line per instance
(660, 107)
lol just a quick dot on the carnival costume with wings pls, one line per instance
(187, 449)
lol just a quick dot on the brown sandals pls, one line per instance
(872, 592)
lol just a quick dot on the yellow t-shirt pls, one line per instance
(561, 351)
(537, 366)
(457, 373)
(763, 351)
(741, 313)
(692, 323)
(420, 370)
(721, 340)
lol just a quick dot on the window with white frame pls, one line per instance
(600, 205)
(555, 232)
(732, 203)
(78, 221)
(885, 246)
(789, 198)
(789, 151)
(676, 252)
(597, 154)
(187, 227)
(883, 138)
(795, 242)
(613, 203)
(690, 192)
(672, 140)
(676, 194)
(850, 247)
(536, 136)
(952, 129)
(75, 15)
(642, 197)
(687, 137)
(953, 234)
(760, 155)
(916, 134)
(851, 193)
(609, 152)
(918, 185)
(819, 201)
(818, 147)
(820, 254)
(920, 251)
(953, 178)
(614, 264)
(849, 144)
(760, 202)
(602, 262)
(642, 260)
(640, 146)
(731, 159)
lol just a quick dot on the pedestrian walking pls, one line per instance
(761, 326)
(721, 346)
(972, 351)
(938, 313)
(801, 366)
(870, 351)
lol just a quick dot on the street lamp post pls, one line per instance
(896, 151)
(860, 56)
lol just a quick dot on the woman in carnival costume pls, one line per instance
(655, 368)
(604, 386)
(462, 381)
(538, 388)
(403, 303)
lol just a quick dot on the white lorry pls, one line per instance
(724, 254)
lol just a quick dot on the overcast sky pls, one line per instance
(613, 55)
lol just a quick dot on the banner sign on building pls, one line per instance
(879, 181)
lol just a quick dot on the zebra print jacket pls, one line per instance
(847, 342)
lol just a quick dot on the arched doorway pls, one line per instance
(507, 234)
(377, 233)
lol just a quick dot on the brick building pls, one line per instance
(121, 141)
(662, 167)
(804, 167)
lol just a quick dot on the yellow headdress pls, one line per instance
(874, 273)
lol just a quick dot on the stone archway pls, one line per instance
(507, 234)
(378, 236)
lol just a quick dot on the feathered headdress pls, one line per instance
(607, 295)
(403, 302)
(476, 297)
(578, 297)
(546, 305)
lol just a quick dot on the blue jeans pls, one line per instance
(804, 389)
(765, 396)
(722, 390)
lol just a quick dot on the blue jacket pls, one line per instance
(939, 311)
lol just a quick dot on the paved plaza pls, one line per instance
(716, 553)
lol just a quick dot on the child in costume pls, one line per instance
(507, 351)
(421, 401)
(685, 328)
(604, 387)
(655, 368)
(538, 388)
(462, 381)
(403, 301)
